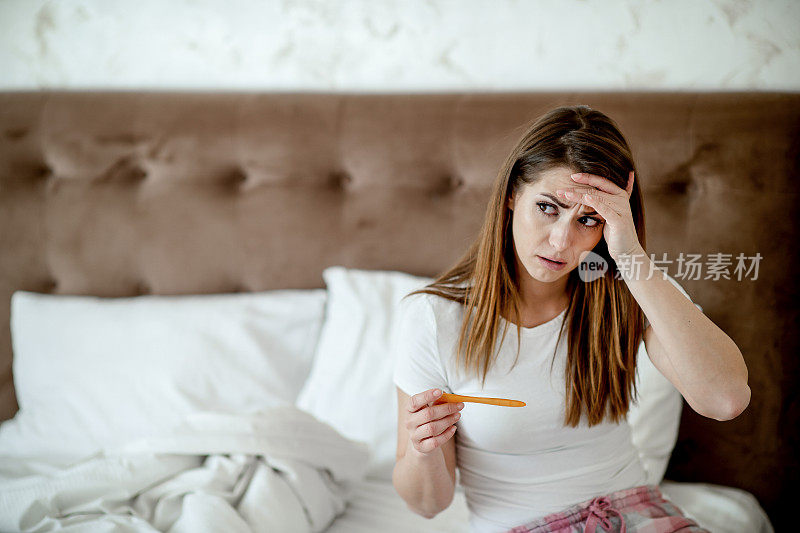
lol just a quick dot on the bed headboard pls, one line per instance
(126, 193)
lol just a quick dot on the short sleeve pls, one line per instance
(682, 290)
(418, 366)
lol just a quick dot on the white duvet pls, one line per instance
(277, 470)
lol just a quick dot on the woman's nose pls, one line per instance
(561, 235)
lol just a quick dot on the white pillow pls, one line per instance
(96, 372)
(350, 384)
(655, 418)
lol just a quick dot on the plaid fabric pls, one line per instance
(636, 510)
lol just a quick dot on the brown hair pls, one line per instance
(605, 323)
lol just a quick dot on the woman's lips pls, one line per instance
(552, 265)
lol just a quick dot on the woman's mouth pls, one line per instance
(549, 263)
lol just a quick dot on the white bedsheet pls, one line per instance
(718, 508)
(278, 470)
(375, 506)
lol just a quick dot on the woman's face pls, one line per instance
(545, 225)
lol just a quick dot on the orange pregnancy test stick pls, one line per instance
(455, 398)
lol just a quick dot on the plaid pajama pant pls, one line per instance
(636, 510)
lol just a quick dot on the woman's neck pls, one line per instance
(538, 308)
(542, 296)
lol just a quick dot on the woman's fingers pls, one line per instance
(436, 427)
(602, 202)
(576, 193)
(432, 435)
(598, 182)
(428, 445)
(431, 413)
(629, 187)
(418, 401)
(431, 425)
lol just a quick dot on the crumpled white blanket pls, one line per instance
(278, 470)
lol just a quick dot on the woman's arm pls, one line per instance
(703, 363)
(425, 479)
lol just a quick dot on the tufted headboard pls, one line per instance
(119, 194)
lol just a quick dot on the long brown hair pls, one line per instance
(605, 323)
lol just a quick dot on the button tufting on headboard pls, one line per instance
(15, 134)
(48, 286)
(42, 172)
(340, 179)
(236, 179)
(678, 187)
(126, 170)
(141, 288)
(446, 184)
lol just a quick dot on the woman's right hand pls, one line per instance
(431, 425)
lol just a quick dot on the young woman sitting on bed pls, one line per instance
(566, 461)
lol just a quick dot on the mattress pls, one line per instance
(375, 506)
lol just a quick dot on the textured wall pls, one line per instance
(394, 45)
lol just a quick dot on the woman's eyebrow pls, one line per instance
(565, 206)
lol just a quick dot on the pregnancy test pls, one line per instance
(455, 398)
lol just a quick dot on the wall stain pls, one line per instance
(44, 24)
(733, 9)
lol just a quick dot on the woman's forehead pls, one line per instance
(550, 184)
(556, 178)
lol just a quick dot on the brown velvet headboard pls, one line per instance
(118, 194)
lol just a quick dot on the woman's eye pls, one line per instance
(590, 222)
(587, 222)
(543, 206)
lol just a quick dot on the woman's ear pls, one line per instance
(510, 202)
(629, 187)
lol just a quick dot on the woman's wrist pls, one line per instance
(423, 481)
(421, 457)
(630, 263)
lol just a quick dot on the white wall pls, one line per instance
(395, 45)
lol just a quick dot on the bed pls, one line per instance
(200, 289)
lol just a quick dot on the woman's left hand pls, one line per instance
(613, 204)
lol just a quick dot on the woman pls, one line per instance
(566, 461)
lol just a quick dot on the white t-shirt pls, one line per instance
(516, 464)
